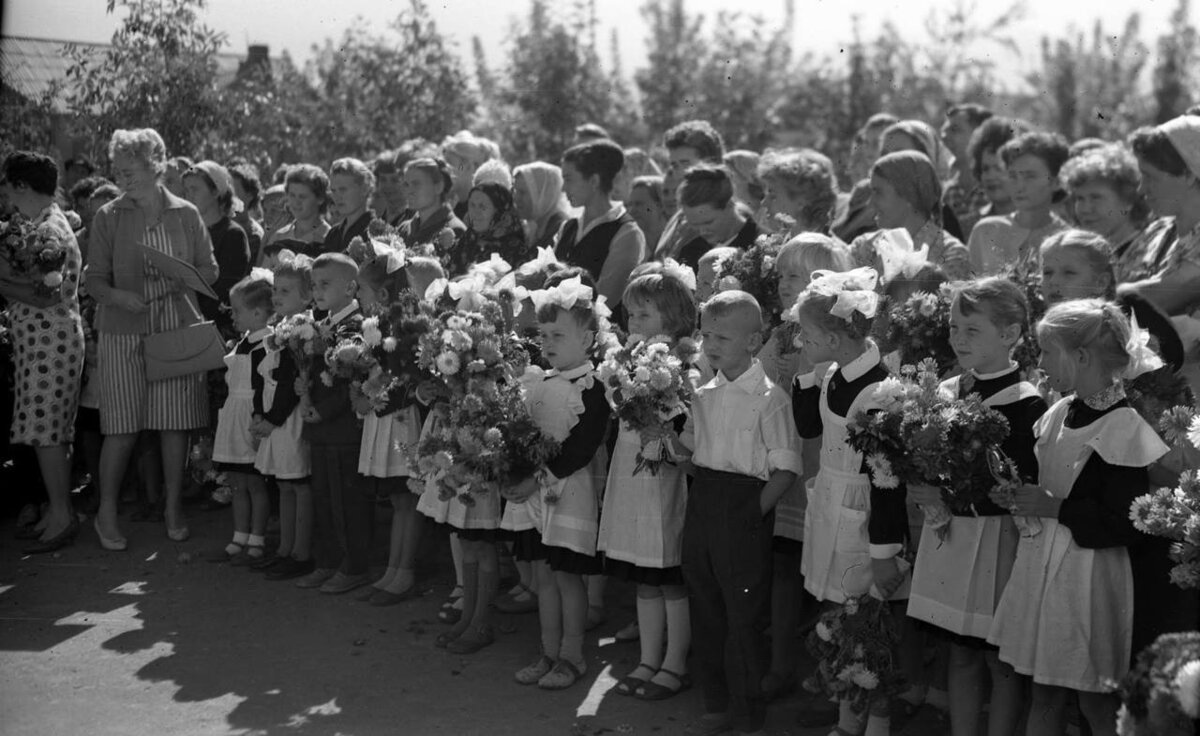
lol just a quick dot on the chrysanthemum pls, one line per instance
(1187, 685)
(448, 363)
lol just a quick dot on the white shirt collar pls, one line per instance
(748, 381)
(343, 313)
(572, 374)
(1012, 366)
(615, 213)
(858, 367)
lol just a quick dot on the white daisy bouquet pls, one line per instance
(853, 645)
(650, 382)
(925, 435)
(1174, 512)
(480, 444)
(469, 349)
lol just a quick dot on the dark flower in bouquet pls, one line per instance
(853, 645)
(1174, 512)
(650, 382)
(35, 253)
(924, 434)
(919, 327)
(755, 272)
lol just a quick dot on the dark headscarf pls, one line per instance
(505, 235)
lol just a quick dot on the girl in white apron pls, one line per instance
(563, 502)
(957, 581)
(1065, 618)
(235, 447)
(854, 530)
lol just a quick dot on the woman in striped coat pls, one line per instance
(136, 300)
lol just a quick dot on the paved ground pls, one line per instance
(147, 642)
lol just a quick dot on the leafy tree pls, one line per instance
(377, 90)
(158, 72)
(1179, 60)
(675, 45)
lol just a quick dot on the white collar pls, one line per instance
(572, 374)
(258, 335)
(343, 313)
(749, 381)
(1012, 366)
(615, 213)
(858, 367)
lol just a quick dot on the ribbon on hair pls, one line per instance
(565, 295)
(491, 270)
(673, 268)
(396, 260)
(544, 257)
(898, 255)
(264, 274)
(1142, 358)
(855, 291)
(466, 293)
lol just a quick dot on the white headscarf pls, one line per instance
(545, 183)
(1184, 133)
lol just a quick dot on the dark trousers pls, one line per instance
(343, 510)
(727, 567)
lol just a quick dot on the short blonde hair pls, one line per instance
(354, 169)
(814, 251)
(143, 144)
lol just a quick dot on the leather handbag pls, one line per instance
(190, 348)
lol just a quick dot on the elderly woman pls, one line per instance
(47, 342)
(1103, 186)
(1169, 159)
(465, 152)
(306, 188)
(135, 300)
(537, 193)
(350, 187)
(906, 193)
(799, 186)
(493, 226)
(1032, 162)
(208, 186)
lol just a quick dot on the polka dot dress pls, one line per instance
(48, 354)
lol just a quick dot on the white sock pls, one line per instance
(652, 620)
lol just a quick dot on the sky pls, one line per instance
(821, 25)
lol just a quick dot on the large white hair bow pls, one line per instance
(467, 293)
(264, 274)
(673, 268)
(1142, 358)
(544, 257)
(855, 291)
(565, 295)
(491, 270)
(898, 255)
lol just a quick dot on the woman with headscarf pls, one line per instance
(1169, 159)
(906, 193)
(493, 226)
(537, 194)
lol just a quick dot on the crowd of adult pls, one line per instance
(977, 197)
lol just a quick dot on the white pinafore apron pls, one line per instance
(836, 560)
(233, 442)
(957, 582)
(283, 454)
(1066, 616)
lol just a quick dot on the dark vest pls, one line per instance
(591, 252)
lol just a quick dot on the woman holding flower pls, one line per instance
(47, 335)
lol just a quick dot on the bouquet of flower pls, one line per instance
(301, 336)
(468, 349)
(853, 646)
(204, 471)
(1154, 393)
(919, 327)
(753, 271)
(925, 435)
(350, 359)
(1160, 696)
(649, 383)
(1174, 513)
(34, 253)
(480, 444)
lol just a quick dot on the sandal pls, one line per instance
(450, 615)
(472, 641)
(452, 600)
(533, 673)
(654, 691)
(523, 601)
(563, 675)
(629, 684)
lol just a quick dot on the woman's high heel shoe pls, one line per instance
(120, 544)
(63, 539)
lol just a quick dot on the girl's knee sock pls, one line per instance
(470, 571)
(652, 620)
(679, 634)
